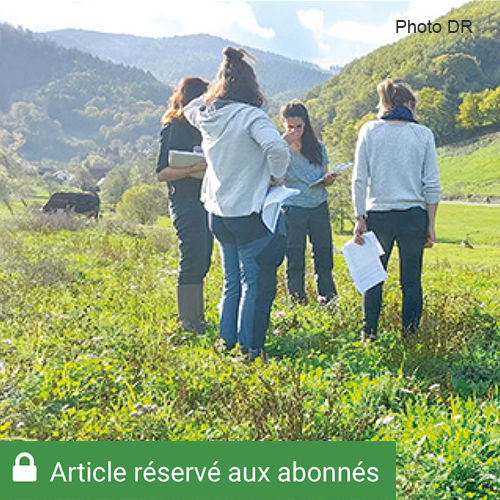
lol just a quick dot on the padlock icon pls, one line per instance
(24, 473)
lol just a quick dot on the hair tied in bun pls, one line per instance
(232, 54)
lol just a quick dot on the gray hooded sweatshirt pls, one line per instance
(243, 149)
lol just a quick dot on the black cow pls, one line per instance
(78, 203)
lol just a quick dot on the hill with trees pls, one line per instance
(456, 76)
(171, 59)
(66, 103)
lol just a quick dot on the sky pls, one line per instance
(327, 33)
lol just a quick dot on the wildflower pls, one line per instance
(385, 420)
(276, 332)
(490, 477)
(279, 314)
(142, 409)
(20, 425)
(441, 460)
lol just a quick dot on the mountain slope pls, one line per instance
(171, 59)
(67, 103)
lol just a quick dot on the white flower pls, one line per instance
(385, 420)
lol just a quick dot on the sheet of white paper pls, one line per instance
(272, 204)
(363, 262)
(338, 168)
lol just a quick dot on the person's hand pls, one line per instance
(329, 178)
(293, 139)
(201, 166)
(431, 238)
(358, 231)
(276, 181)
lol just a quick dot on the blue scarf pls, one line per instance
(399, 113)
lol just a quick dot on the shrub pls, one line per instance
(143, 204)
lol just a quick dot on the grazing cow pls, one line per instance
(78, 203)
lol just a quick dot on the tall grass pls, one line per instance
(90, 349)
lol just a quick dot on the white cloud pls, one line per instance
(417, 12)
(215, 17)
(148, 18)
(313, 20)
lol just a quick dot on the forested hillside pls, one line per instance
(170, 59)
(457, 76)
(66, 103)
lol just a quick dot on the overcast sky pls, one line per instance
(324, 32)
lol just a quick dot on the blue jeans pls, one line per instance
(250, 256)
(315, 223)
(407, 228)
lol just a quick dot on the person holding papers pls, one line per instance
(396, 190)
(307, 214)
(186, 210)
(244, 152)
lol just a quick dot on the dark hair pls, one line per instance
(236, 80)
(311, 148)
(187, 90)
(392, 94)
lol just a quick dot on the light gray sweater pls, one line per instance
(395, 167)
(243, 149)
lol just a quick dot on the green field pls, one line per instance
(471, 169)
(476, 223)
(88, 334)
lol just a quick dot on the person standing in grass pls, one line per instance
(396, 190)
(186, 210)
(244, 152)
(307, 214)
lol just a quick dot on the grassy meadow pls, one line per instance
(471, 168)
(90, 349)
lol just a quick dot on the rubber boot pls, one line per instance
(190, 307)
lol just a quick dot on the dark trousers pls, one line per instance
(315, 224)
(407, 228)
(195, 239)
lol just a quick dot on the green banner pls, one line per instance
(275, 470)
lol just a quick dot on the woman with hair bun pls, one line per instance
(244, 152)
(396, 191)
(186, 210)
